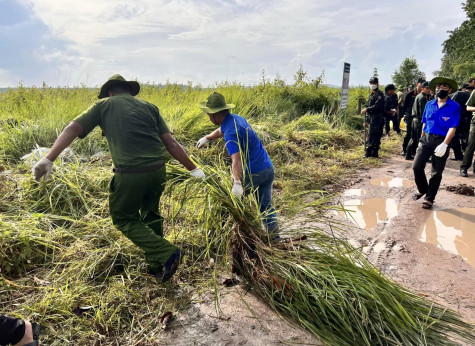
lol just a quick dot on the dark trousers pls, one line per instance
(416, 131)
(407, 137)
(134, 201)
(395, 119)
(373, 143)
(11, 330)
(468, 154)
(425, 151)
(456, 146)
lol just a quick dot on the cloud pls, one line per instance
(210, 40)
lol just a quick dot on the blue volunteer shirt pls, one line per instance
(238, 133)
(437, 120)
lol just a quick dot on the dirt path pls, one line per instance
(429, 251)
(391, 226)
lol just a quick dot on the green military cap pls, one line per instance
(400, 87)
(118, 79)
(214, 104)
(439, 80)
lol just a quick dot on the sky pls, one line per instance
(84, 42)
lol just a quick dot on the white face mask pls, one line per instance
(373, 86)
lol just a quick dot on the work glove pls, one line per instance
(42, 168)
(237, 190)
(440, 150)
(198, 173)
(202, 142)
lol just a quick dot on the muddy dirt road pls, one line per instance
(431, 252)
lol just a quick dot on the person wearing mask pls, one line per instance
(252, 169)
(391, 109)
(138, 140)
(408, 102)
(468, 154)
(374, 116)
(440, 120)
(471, 82)
(417, 111)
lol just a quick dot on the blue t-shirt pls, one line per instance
(437, 120)
(239, 134)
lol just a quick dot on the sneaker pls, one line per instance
(403, 153)
(463, 173)
(171, 266)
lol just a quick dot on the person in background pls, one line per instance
(18, 332)
(459, 141)
(416, 127)
(408, 102)
(400, 102)
(138, 140)
(390, 109)
(468, 154)
(471, 82)
(441, 117)
(374, 116)
(251, 165)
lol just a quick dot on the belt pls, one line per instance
(134, 170)
(434, 135)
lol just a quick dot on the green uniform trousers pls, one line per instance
(470, 149)
(134, 207)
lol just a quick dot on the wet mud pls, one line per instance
(431, 252)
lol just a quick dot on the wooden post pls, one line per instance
(360, 104)
(335, 107)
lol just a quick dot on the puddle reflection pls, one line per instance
(391, 182)
(367, 213)
(452, 230)
(354, 192)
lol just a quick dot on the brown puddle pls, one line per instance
(354, 192)
(391, 182)
(366, 213)
(452, 230)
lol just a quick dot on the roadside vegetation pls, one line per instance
(63, 264)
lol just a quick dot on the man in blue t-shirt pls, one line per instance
(250, 163)
(440, 119)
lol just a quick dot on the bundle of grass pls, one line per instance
(323, 284)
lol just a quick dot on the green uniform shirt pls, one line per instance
(400, 98)
(132, 128)
(471, 102)
(419, 105)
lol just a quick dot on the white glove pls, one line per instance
(202, 142)
(198, 173)
(237, 190)
(42, 168)
(440, 150)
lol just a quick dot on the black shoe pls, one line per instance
(409, 157)
(463, 173)
(171, 266)
(375, 155)
(403, 153)
(455, 159)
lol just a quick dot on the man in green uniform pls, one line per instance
(138, 139)
(416, 126)
(468, 153)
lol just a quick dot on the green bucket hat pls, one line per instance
(118, 79)
(400, 87)
(437, 80)
(214, 104)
